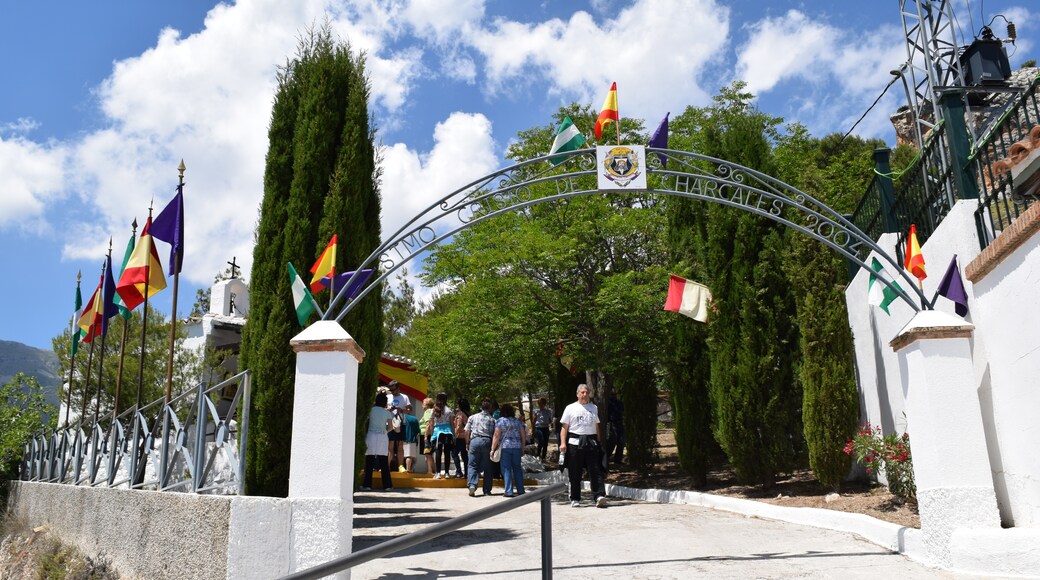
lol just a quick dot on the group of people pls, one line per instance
(483, 443)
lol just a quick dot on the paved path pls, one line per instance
(629, 539)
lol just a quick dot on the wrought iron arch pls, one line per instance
(690, 175)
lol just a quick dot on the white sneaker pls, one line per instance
(444, 475)
(436, 476)
(575, 504)
(601, 502)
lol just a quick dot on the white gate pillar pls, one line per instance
(947, 440)
(321, 470)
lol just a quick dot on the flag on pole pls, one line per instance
(568, 138)
(609, 114)
(913, 259)
(90, 318)
(77, 333)
(325, 266)
(660, 139)
(952, 287)
(342, 279)
(169, 227)
(878, 293)
(118, 300)
(143, 268)
(108, 295)
(688, 298)
(303, 302)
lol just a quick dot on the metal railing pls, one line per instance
(1000, 204)
(190, 446)
(437, 530)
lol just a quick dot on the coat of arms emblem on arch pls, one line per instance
(621, 167)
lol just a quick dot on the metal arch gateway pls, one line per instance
(687, 175)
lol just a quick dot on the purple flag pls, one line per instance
(660, 139)
(108, 294)
(168, 226)
(953, 288)
(355, 286)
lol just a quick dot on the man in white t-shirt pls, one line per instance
(579, 445)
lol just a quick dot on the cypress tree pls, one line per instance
(755, 396)
(834, 171)
(320, 162)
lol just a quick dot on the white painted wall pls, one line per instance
(1005, 351)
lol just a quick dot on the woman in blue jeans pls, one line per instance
(510, 435)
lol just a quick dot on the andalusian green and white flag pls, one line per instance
(878, 293)
(303, 302)
(567, 139)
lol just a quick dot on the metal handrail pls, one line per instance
(437, 530)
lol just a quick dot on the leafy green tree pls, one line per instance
(835, 171)
(526, 280)
(24, 414)
(320, 162)
(399, 311)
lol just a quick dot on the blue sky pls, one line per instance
(105, 98)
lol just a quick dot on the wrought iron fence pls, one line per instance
(1001, 204)
(194, 444)
(868, 216)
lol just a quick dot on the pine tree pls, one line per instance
(320, 162)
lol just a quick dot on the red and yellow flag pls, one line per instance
(914, 259)
(609, 114)
(143, 269)
(325, 266)
(90, 318)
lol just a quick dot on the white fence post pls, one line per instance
(321, 471)
(951, 464)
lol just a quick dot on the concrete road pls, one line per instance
(628, 539)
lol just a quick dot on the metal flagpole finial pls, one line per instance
(79, 277)
(110, 245)
(134, 225)
(180, 170)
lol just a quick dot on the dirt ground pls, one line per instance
(799, 489)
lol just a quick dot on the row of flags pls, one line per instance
(569, 138)
(141, 274)
(951, 286)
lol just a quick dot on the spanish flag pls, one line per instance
(914, 259)
(90, 319)
(325, 266)
(143, 269)
(609, 114)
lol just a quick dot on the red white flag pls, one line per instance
(688, 298)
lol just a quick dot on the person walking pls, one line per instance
(458, 452)
(543, 421)
(442, 435)
(377, 444)
(479, 430)
(580, 436)
(510, 435)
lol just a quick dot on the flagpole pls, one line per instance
(144, 325)
(72, 358)
(104, 323)
(86, 384)
(176, 280)
(122, 345)
(617, 124)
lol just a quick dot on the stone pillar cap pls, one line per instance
(327, 336)
(931, 324)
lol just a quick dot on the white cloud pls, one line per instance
(440, 20)
(647, 41)
(33, 176)
(412, 181)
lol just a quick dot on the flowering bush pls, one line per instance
(890, 453)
